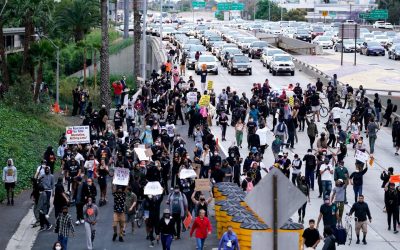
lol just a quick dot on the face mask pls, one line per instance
(9, 164)
(47, 172)
(202, 199)
(176, 191)
(65, 213)
(58, 247)
(166, 216)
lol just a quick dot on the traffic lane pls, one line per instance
(104, 230)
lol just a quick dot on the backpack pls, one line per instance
(394, 109)
(281, 128)
(250, 186)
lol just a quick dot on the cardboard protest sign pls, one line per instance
(77, 134)
(121, 176)
(153, 188)
(202, 185)
(210, 85)
(204, 100)
(191, 98)
(362, 156)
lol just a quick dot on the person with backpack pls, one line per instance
(247, 183)
(281, 130)
(392, 206)
(10, 180)
(390, 108)
(312, 131)
(178, 205)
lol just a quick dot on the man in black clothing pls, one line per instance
(392, 206)
(361, 212)
(311, 236)
(311, 162)
(217, 174)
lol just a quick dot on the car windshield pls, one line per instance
(233, 51)
(318, 29)
(368, 35)
(391, 33)
(168, 29)
(241, 59)
(273, 52)
(324, 38)
(260, 44)
(215, 38)
(302, 32)
(283, 58)
(249, 40)
(381, 37)
(206, 59)
(374, 44)
(197, 48)
(348, 41)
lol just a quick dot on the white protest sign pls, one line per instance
(141, 154)
(362, 156)
(77, 134)
(187, 173)
(153, 188)
(191, 98)
(121, 176)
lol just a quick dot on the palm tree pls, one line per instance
(136, 39)
(104, 58)
(77, 17)
(41, 51)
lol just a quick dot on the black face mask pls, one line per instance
(47, 172)
(202, 199)
(65, 213)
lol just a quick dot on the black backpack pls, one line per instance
(394, 108)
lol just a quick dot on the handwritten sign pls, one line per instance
(362, 156)
(187, 173)
(191, 98)
(210, 85)
(204, 100)
(202, 185)
(141, 154)
(121, 176)
(77, 134)
(153, 188)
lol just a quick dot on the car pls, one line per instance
(267, 55)
(317, 31)
(282, 63)
(231, 52)
(275, 30)
(239, 63)
(195, 48)
(168, 32)
(372, 48)
(245, 42)
(190, 60)
(394, 52)
(208, 60)
(323, 41)
(382, 25)
(221, 54)
(348, 45)
(368, 37)
(303, 35)
(211, 40)
(216, 47)
(256, 48)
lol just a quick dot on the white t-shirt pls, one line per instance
(354, 128)
(40, 170)
(79, 158)
(336, 112)
(326, 175)
(170, 130)
(90, 163)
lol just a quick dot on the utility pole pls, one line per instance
(254, 10)
(126, 19)
(161, 23)
(269, 10)
(144, 37)
(281, 11)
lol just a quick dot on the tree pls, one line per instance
(263, 7)
(4, 69)
(75, 18)
(104, 58)
(136, 39)
(41, 51)
(295, 15)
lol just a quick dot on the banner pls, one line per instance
(210, 85)
(191, 98)
(153, 188)
(121, 176)
(202, 185)
(204, 101)
(362, 156)
(77, 134)
(142, 154)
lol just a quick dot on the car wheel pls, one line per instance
(383, 53)
(249, 54)
(270, 71)
(336, 50)
(367, 53)
(252, 56)
(273, 72)
(292, 73)
(267, 66)
(250, 73)
(216, 72)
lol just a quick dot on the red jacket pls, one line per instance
(117, 88)
(202, 227)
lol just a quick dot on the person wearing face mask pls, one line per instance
(90, 213)
(57, 246)
(392, 206)
(47, 181)
(178, 206)
(296, 168)
(311, 163)
(329, 241)
(329, 213)
(361, 213)
(64, 227)
(166, 229)
(214, 160)
(202, 226)
(40, 169)
(202, 202)
(305, 189)
(338, 196)
(326, 172)
(356, 179)
(43, 206)
(10, 180)
(322, 143)
(229, 240)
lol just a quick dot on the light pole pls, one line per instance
(144, 49)
(161, 21)
(269, 10)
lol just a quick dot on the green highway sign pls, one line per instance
(374, 15)
(230, 6)
(332, 13)
(198, 4)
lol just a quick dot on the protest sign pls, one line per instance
(210, 85)
(148, 152)
(77, 134)
(121, 176)
(362, 156)
(187, 173)
(191, 98)
(204, 100)
(394, 178)
(153, 188)
(141, 154)
(202, 185)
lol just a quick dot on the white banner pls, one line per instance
(187, 173)
(77, 134)
(362, 156)
(153, 188)
(121, 176)
(191, 98)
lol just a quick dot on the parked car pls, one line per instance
(347, 44)
(282, 63)
(239, 64)
(256, 48)
(372, 48)
(394, 52)
(323, 41)
(208, 60)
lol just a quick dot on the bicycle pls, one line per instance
(323, 112)
(348, 227)
(139, 215)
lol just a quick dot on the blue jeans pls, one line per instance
(372, 140)
(117, 100)
(357, 192)
(326, 188)
(310, 178)
(166, 241)
(378, 114)
(82, 107)
(200, 243)
(64, 241)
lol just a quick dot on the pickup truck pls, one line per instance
(282, 63)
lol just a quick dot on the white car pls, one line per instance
(267, 55)
(210, 61)
(282, 63)
(368, 37)
(323, 41)
(382, 25)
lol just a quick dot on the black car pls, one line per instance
(372, 48)
(239, 64)
(394, 52)
(303, 35)
(256, 48)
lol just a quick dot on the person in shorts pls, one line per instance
(10, 179)
(361, 212)
(119, 212)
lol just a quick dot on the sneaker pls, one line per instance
(358, 242)
(151, 244)
(77, 222)
(364, 242)
(82, 221)
(41, 229)
(114, 237)
(395, 231)
(121, 239)
(49, 227)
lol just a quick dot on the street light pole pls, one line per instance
(4, 6)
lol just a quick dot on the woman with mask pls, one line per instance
(57, 246)
(10, 180)
(166, 229)
(90, 214)
(239, 128)
(201, 203)
(102, 173)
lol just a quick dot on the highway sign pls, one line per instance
(262, 203)
(332, 13)
(237, 6)
(374, 15)
(223, 6)
(230, 6)
(324, 13)
(198, 4)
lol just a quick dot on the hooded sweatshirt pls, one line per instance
(10, 173)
